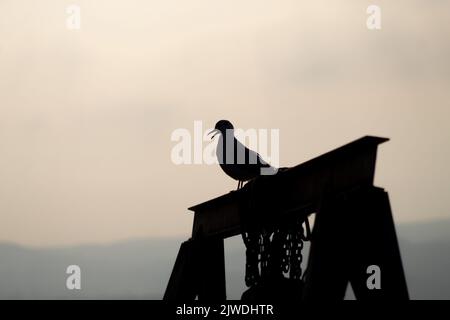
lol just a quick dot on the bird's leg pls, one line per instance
(239, 184)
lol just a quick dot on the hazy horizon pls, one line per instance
(140, 269)
(409, 229)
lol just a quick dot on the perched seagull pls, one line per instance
(235, 159)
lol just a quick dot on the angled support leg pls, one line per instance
(199, 271)
(326, 274)
(351, 234)
(372, 225)
(182, 284)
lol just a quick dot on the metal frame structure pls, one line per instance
(353, 228)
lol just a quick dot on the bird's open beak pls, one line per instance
(215, 131)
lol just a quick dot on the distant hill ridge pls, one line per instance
(139, 269)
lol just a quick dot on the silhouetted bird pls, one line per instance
(238, 162)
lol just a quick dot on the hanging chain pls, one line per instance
(296, 257)
(278, 251)
(251, 241)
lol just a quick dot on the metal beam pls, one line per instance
(296, 190)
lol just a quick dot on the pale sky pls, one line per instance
(86, 115)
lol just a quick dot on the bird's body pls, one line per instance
(236, 160)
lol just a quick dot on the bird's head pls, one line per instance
(221, 127)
